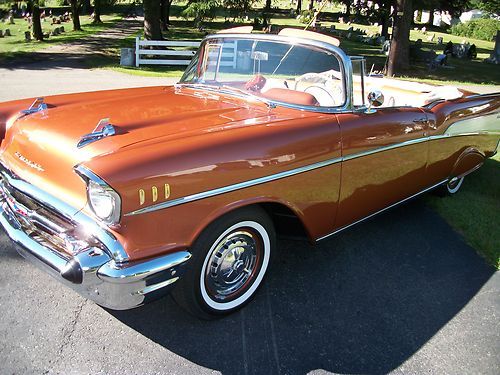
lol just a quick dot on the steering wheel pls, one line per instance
(317, 91)
(256, 83)
(318, 88)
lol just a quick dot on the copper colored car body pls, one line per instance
(170, 162)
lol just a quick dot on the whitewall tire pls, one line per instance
(230, 260)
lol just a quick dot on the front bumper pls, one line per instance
(93, 270)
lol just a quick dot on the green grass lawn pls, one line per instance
(475, 210)
(16, 44)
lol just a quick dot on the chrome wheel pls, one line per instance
(232, 264)
(235, 265)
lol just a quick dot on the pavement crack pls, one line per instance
(68, 331)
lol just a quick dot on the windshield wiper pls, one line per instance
(229, 90)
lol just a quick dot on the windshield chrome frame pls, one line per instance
(344, 61)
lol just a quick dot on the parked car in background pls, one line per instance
(126, 195)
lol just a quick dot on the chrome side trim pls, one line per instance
(384, 148)
(230, 188)
(292, 172)
(382, 210)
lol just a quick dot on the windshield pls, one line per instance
(274, 70)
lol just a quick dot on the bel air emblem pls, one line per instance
(28, 162)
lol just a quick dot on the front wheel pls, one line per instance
(230, 259)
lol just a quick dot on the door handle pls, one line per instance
(421, 120)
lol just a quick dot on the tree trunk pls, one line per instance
(152, 27)
(37, 25)
(399, 54)
(97, 12)
(165, 14)
(431, 17)
(75, 14)
(385, 13)
(311, 5)
(268, 5)
(299, 6)
(347, 9)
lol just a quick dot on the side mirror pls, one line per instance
(375, 99)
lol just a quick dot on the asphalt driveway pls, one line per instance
(400, 293)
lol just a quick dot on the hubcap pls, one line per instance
(232, 265)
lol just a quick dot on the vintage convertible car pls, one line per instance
(125, 195)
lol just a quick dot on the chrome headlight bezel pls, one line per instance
(96, 185)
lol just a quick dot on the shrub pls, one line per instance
(306, 16)
(483, 28)
(201, 10)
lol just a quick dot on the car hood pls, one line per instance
(43, 146)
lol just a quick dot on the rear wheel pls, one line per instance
(454, 185)
(230, 259)
(451, 187)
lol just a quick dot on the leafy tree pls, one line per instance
(399, 54)
(347, 4)
(201, 10)
(490, 6)
(455, 7)
(240, 5)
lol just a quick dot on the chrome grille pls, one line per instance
(38, 221)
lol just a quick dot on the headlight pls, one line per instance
(103, 200)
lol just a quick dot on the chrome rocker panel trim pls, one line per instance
(382, 210)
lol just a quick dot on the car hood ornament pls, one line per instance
(37, 106)
(102, 130)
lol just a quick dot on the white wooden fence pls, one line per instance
(139, 52)
(228, 56)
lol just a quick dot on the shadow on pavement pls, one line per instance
(362, 302)
(47, 60)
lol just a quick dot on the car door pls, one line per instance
(384, 160)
